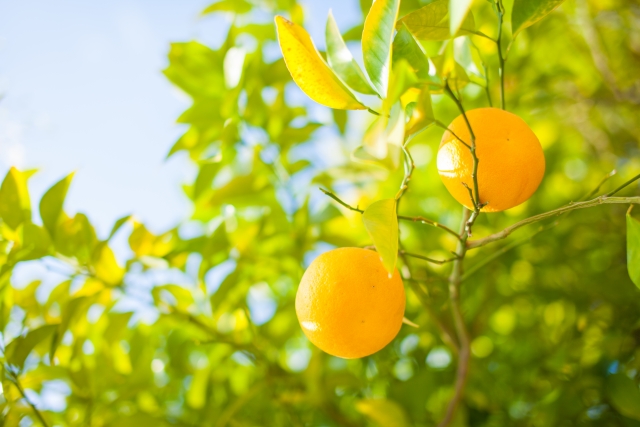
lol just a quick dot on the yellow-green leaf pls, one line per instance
(19, 349)
(52, 202)
(234, 6)
(310, 72)
(421, 115)
(106, 266)
(527, 12)
(458, 10)
(15, 206)
(431, 22)
(383, 412)
(633, 248)
(341, 60)
(377, 37)
(381, 222)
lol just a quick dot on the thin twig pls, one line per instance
(475, 196)
(14, 379)
(623, 186)
(419, 219)
(497, 254)
(464, 355)
(424, 258)
(570, 207)
(445, 332)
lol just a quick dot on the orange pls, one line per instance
(511, 162)
(347, 304)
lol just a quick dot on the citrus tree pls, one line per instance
(445, 222)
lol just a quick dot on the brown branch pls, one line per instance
(570, 207)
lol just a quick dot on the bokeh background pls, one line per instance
(183, 313)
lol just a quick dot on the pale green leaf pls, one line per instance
(383, 412)
(309, 70)
(381, 222)
(624, 395)
(377, 37)
(633, 248)
(431, 22)
(458, 10)
(15, 206)
(341, 60)
(527, 12)
(52, 203)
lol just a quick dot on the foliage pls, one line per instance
(196, 325)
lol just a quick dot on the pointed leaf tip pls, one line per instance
(309, 70)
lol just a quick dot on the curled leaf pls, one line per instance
(310, 72)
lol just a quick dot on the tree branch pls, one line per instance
(501, 59)
(424, 258)
(464, 354)
(570, 207)
(14, 379)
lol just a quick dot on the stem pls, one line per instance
(475, 198)
(570, 207)
(445, 332)
(14, 379)
(424, 258)
(464, 355)
(500, 11)
(409, 167)
(419, 219)
(623, 186)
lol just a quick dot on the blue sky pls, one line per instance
(83, 91)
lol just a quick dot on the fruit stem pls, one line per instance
(475, 195)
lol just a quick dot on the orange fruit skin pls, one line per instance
(347, 304)
(511, 161)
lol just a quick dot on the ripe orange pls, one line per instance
(511, 163)
(347, 304)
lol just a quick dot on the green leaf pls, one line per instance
(309, 70)
(235, 6)
(381, 222)
(383, 412)
(527, 12)
(36, 243)
(422, 115)
(52, 202)
(19, 349)
(341, 60)
(341, 117)
(633, 248)
(406, 47)
(377, 37)
(15, 206)
(118, 224)
(458, 10)
(431, 22)
(624, 395)
(72, 309)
